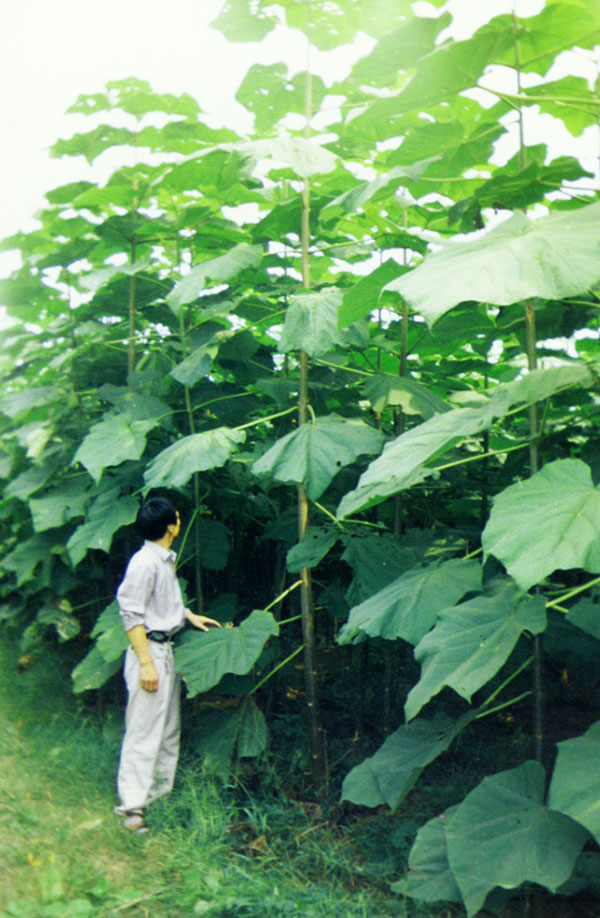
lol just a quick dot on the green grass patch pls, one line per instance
(215, 848)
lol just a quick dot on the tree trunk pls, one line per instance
(315, 730)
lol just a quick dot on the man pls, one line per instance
(152, 610)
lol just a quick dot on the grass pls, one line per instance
(215, 848)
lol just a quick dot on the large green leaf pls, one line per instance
(448, 70)
(305, 157)
(353, 200)
(107, 514)
(24, 559)
(399, 50)
(378, 559)
(404, 461)
(112, 441)
(270, 94)
(327, 25)
(14, 404)
(585, 615)
(214, 271)
(240, 20)
(408, 607)
(95, 279)
(93, 671)
(220, 731)
(311, 323)
(389, 774)
(59, 614)
(404, 391)
(213, 544)
(31, 480)
(204, 657)
(561, 24)
(362, 299)
(176, 464)
(140, 405)
(549, 522)
(314, 453)
(553, 98)
(471, 642)
(110, 634)
(553, 257)
(502, 835)
(253, 735)
(196, 365)
(311, 549)
(59, 505)
(430, 878)
(575, 786)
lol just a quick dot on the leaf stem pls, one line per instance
(270, 417)
(493, 452)
(186, 534)
(505, 704)
(328, 513)
(282, 595)
(294, 618)
(574, 592)
(277, 668)
(506, 682)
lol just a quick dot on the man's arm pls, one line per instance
(139, 642)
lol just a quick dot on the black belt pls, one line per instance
(160, 637)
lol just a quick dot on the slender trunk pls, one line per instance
(535, 464)
(534, 448)
(485, 485)
(399, 428)
(362, 654)
(199, 601)
(316, 734)
(131, 310)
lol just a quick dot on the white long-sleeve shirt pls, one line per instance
(149, 594)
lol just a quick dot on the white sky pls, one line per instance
(54, 50)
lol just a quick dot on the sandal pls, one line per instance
(134, 822)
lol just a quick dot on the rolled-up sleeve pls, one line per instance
(135, 591)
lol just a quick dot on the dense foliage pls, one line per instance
(444, 458)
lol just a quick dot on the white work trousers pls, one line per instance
(151, 743)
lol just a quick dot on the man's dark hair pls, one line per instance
(154, 516)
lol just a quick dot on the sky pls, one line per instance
(54, 50)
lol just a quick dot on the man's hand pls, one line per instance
(148, 677)
(139, 642)
(202, 622)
